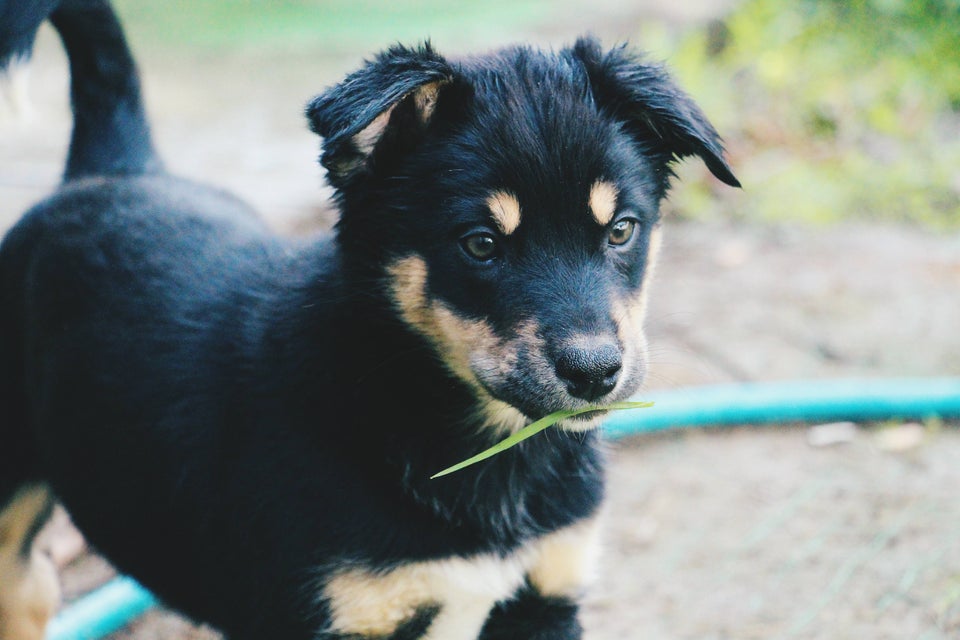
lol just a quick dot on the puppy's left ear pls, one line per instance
(378, 111)
(653, 107)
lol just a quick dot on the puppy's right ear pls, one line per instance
(378, 111)
(653, 107)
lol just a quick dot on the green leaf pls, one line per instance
(535, 428)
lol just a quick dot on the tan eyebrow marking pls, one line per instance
(506, 211)
(603, 201)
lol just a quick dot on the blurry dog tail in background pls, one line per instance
(110, 131)
(19, 22)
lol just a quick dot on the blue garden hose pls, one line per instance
(101, 612)
(115, 604)
(801, 401)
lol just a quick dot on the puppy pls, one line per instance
(248, 424)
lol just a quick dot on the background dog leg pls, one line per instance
(29, 589)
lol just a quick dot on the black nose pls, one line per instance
(589, 373)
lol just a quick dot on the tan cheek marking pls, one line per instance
(603, 201)
(633, 310)
(505, 209)
(453, 337)
(29, 589)
(366, 603)
(653, 253)
(458, 339)
(567, 559)
(466, 347)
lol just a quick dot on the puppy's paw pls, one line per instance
(532, 616)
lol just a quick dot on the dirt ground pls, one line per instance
(745, 533)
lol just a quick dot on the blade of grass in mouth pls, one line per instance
(534, 428)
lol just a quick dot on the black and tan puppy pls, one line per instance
(248, 425)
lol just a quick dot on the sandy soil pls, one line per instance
(737, 533)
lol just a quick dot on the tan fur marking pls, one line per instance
(639, 303)
(29, 589)
(369, 603)
(410, 288)
(369, 136)
(425, 100)
(631, 312)
(453, 337)
(634, 308)
(465, 346)
(506, 211)
(567, 559)
(21, 512)
(603, 201)
(503, 418)
(374, 604)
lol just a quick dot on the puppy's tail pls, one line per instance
(110, 131)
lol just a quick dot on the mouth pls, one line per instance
(510, 407)
(509, 417)
(583, 422)
(589, 416)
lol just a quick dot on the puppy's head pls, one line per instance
(509, 205)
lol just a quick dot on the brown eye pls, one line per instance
(480, 246)
(621, 232)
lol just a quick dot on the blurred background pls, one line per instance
(839, 258)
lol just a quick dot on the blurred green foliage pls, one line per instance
(832, 109)
(349, 27)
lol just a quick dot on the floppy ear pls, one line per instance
(645, 97)
(377, 111)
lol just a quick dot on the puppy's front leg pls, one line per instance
(531, 615)
(446, 599)
(546, 608)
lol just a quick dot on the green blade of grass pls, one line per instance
(534, 428)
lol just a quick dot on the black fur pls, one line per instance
(533, 616)
(232, 417)
(19, 22)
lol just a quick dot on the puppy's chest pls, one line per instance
(452, 597)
